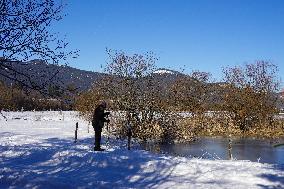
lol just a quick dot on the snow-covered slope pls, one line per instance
(163, 71)
(37, 150)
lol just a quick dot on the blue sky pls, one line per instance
(203, 35)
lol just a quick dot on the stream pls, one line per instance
(256, 150)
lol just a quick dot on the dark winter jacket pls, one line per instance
(99, 117)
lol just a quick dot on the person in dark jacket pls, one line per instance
(99, 118)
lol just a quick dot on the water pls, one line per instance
(220, 148)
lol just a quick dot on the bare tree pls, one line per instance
(25, 34)
(136, 97)
(132, 89)
(190, 92)
(251, 93)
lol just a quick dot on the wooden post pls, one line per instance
(76, 132)
(129, 131)
(129, 134)
(88, 127)
(230, 149)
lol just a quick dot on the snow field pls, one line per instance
(37, 150)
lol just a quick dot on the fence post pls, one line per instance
(76, 132)
(230, 149)
(88, 127)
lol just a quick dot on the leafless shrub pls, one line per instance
(131, 89)
(250, 94)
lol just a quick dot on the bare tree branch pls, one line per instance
(25, 35)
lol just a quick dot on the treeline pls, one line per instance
(244, 103)
(14, 98)
(165, 107)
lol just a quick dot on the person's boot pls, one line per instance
(98, 149)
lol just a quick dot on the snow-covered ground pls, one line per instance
(37, 150)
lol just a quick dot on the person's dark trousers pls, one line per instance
(98, 135)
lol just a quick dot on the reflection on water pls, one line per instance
(222, 148)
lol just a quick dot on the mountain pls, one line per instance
(39, 72)
(165, 71)
(166, 76)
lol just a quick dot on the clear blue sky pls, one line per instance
(203, 35)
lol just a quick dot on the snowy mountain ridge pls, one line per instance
(163, 71)
(69, 76)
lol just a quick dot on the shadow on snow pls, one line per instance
(62, 164)
(278, 180)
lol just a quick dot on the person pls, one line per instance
(99, 118)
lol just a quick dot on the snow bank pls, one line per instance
(37, 150)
